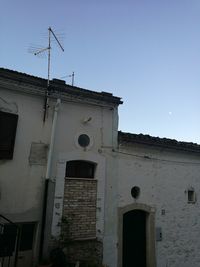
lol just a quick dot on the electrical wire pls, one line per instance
(156, 159)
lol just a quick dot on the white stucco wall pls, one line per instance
(22, 184)
(102, 129)
(26, 179)
(164, 177)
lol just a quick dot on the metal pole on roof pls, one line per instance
(49, 56)
(71, 75)
(46, 99)
(73, 78)
(50, 31)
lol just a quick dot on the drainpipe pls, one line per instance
(47, 176)
(56, 108)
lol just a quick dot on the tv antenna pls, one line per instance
(48, 48)
(70, 76)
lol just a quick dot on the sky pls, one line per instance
(145, 51)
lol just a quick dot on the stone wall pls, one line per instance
(164, 178)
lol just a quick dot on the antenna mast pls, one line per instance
(50, 33)
(71, 75)
(73, 78)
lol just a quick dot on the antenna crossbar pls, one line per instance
(40, 51)
(56, 39)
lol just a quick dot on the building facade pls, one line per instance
(69, 178)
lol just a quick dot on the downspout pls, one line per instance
(56, 108)
(47, 176)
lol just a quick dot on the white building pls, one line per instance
(68, 176)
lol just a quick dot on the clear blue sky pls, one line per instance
(145, 51)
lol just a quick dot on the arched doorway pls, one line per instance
(134, 239)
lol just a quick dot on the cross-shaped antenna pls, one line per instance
(51, 33)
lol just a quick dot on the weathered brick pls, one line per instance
(79, 207)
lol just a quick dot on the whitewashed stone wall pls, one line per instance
(164, 176)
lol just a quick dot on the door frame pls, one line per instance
(150, 232)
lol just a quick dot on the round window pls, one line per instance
(84, 140)
(135, 192)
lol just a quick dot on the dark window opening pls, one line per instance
(80, 169)
(191, 196)
(8, 126)
(8, 237)
(84, 140)
(135, 192)
(9, 234)
(26, 237)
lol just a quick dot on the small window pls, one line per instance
(80, 169)
(26, 237)
(84, 140)
(191, 196)
(8, 126)
(135, 192)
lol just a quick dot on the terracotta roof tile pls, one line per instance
(57, 85)
(157, 141)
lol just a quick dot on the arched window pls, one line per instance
(80, 169)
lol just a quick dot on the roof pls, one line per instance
(57, 85)
(127, 138)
